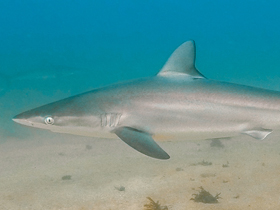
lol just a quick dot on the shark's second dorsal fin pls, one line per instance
(182, 62)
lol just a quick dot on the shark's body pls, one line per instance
(179, 103)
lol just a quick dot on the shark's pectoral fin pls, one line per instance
(141, 141)
(259, 133)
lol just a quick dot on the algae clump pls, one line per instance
(154, 205)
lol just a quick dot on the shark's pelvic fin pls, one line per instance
(141, 141)
(259, 134)
(182, 62)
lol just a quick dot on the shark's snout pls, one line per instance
(16, 120)
(21, 120)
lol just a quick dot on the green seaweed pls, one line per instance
(203, 163)
(154, 205)
(66, 177)
(205, 197)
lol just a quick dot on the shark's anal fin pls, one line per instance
(259, 133)
(141, 141)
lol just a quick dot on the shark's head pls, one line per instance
(65, 116)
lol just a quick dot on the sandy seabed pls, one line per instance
(69, 172)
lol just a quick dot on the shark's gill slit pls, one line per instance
(110, 119)
(103, 120)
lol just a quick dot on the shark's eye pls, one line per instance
(49, 120)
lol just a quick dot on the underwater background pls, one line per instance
(61, 48)
(50, 50)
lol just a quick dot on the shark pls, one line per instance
(179, 103)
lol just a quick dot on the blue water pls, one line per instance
(121, 40)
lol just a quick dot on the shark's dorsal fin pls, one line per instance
(182, 62)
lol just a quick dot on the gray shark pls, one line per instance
(178, 103)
